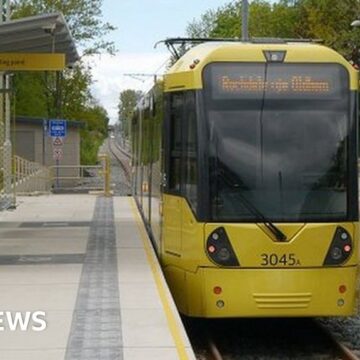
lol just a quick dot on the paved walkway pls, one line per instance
(87, 264)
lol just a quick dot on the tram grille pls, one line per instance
(282, 300)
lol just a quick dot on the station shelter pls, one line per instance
(38, 43)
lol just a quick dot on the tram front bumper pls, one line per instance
(272, 292)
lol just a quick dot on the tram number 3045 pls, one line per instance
(279, 260)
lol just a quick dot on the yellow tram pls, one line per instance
(245, 171)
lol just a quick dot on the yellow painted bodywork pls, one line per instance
(306, 289)
(31, 62)
(181, 77)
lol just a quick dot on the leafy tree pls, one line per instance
(328, 20)
(203, 28)
(127, 103)
(76, 90)
(93, 135)
(266, 20)
(84, 18)
(29, 94)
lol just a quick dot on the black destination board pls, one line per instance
(277, 81)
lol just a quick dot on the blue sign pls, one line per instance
(57, 128)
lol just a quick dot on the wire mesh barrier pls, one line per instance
(7, 194)
(82, 178)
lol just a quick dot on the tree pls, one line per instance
(328, 20)
(128, 100)
(84, 18)
(203, 27)
(266, 20)
(93, 135)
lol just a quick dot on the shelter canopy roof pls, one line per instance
(38, 34)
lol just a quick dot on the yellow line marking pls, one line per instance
(172, 323)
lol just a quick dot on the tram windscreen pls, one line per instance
(278, 137)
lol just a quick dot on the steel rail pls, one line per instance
(214, 351)
(125, 153)
(343, 351)
(126, 168)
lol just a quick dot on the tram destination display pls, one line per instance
(278, 81)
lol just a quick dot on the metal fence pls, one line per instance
(23, 178)
(30, 177)
(82, 178)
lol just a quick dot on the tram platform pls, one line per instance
(83, 271)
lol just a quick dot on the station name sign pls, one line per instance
(31, 62)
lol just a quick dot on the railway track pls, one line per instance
(344, 352)
(122, 157)
(125, 153)
(297, 339)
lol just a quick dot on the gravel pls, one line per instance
(120, 184)
(346, 330)
(270, 339)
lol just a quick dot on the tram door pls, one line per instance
(172, 201)
(182, 178)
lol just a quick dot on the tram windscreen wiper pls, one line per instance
(231, 181)
(280, 236)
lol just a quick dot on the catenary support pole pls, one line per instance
(245, 20)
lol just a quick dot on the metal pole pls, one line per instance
(7, 145)
(57, 174)
(5, 118)
(8, 10)
(2, 10)
(245, 20)
(44, 142)
(3, 200)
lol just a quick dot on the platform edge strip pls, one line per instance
(173, 324)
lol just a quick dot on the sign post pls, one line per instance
(58, 131)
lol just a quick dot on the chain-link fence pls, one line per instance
(7, 195)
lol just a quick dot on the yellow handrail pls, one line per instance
(106, 173)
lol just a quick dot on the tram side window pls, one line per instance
(176, 116)
(190, 177)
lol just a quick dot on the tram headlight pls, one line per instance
(336, 253)
(224, 254)
(340, 249)
(219, 248)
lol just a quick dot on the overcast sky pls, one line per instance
(140, 24)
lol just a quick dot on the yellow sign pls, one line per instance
(31, 62)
